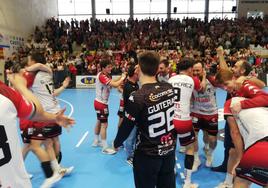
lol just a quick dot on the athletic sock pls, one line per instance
(229, 178)
(47, 169)
(96, 137)
(104, 144)
(55, 165)
(188, 176)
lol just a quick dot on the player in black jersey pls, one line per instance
(151, 109)
(130, 86)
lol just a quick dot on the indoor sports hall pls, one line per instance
(133, 93)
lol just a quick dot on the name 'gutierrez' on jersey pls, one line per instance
(151, 109)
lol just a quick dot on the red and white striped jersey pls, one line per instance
(12, 169)
(103, 88)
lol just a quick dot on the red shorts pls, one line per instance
(120, 112)
(102, 111)
(254, 164)
(207, 123)
(185, 131)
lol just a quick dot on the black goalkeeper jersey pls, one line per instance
(151, 109)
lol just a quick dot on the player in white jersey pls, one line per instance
(104, 83)
(251, 143)
(204, 112)
(42, 87)
(13, 105)
(184, 85)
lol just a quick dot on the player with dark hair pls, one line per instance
(104, 83)
(129, 87)
(184, 84)
(204, 112)
(12, 169)
(151, 109)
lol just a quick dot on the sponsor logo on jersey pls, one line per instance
(88, 80)
(157, 97)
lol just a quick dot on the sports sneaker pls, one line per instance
(49, 182)
(130, 161)
(190, 185)
(196, 165)
(96, 143)
(224, 185)
(182, 149)
(209, 161)
(65, 171)
(108, 151)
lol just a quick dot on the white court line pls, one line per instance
(82, 139)
(72, 108)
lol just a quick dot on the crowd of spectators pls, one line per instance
(76, 48)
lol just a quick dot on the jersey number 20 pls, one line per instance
(4, 146)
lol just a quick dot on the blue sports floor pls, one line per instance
(96, 170)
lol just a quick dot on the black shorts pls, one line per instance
(208, 123)
(40, 133)
(154, 171)
(254, 164)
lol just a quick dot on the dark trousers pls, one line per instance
(154, 172)
(228, 144)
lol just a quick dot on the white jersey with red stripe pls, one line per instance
(183, 88)
(43, 89)
(205, 103)
(103, 88)
(12, 170)
(252, 122)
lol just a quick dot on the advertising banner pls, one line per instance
(88, 81)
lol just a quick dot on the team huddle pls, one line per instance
(170, 105)
(157, 108)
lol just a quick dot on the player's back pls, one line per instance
(183, 88)
(155, 105)
(43, 89)
(12, 170)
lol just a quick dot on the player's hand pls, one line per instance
(236, 108)
(66, 82)
(63, 120)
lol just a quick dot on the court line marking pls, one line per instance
(70, 104)
(82, 139)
